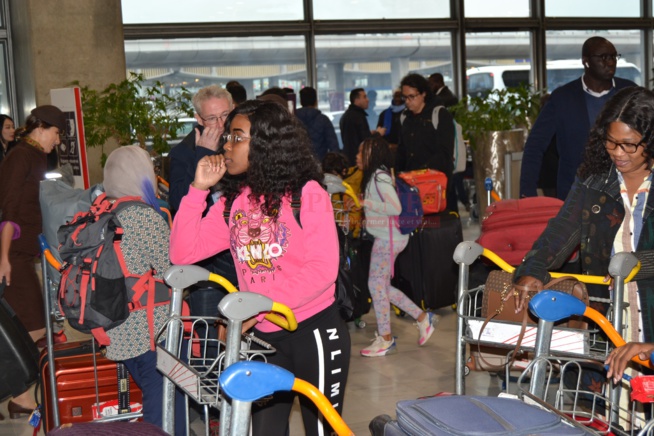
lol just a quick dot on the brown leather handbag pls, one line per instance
(497, 307)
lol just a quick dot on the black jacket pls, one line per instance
(354, 129)
(590, 219)
(421, 146)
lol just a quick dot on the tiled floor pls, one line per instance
(376, 384)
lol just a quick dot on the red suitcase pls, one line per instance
(510, 227)
(75, 380)
(431, 185)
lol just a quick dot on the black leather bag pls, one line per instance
(18, 353)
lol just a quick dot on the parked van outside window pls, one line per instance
(482, 80)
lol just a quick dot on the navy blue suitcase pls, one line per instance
(476, 416)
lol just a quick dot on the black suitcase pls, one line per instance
(425, 270)
(18, 353)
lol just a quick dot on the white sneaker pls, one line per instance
(427, 327)
(380, 347)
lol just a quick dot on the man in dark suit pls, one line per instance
(568, 116)
(439, 89)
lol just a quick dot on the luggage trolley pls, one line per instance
(622, 268)
(600, 411)
(49, 265)
(198, 375)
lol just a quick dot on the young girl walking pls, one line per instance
(381, 208)
(267, 161)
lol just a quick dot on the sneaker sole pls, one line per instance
(392, 350)
(434, 323)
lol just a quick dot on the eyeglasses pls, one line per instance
(214, 119)
(605, 57)
(410, 97)
(625, 146)
(235, 139)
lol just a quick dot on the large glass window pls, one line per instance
(564, 54)
(376, 63)
(210, 11)
(592, 8)
(5, 98)
(379, 9)
(258, 63)
(497, 60)
(496, 9)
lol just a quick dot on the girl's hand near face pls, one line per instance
(209, 171)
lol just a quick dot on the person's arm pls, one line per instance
(620, 357)
(194, 238)
(538, 140)
(9, 231)
(184, 158)
(557, 242)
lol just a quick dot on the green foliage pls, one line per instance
(505, 109)
(133, 114)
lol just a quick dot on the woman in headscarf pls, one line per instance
(129, 172)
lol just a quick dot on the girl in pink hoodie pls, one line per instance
(289, 254)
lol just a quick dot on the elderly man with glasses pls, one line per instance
(568, 116)
(212, 105)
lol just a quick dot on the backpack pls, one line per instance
(460, 151)
(411, 215)
(96, 291)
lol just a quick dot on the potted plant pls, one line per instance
(133, 113)
(496, 125)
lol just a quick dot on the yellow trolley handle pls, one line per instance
(287, 321)
(595, 280)
(324, 406)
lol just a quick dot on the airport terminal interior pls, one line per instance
(479, 46)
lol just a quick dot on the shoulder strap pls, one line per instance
(434, 116)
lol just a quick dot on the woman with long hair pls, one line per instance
(288, 252)
(381, 207)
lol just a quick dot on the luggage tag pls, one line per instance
(35, 419)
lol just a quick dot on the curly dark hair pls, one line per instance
(418, 82)
(632, 106)
(280, 161)
(375, 154)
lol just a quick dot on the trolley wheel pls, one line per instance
(360, 323)
(466, 371)
(454, 307)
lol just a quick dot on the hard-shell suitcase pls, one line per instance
(510, 227)
(471, 415)
(425, 270)
(18, 354)
(432, 186)
(75, 377)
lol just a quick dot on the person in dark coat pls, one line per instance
(354, 124)
(421, 145)
(438, 88)
(320, 129)
(569, 115)
(609, 210)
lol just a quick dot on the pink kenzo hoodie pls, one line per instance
(291, 265)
